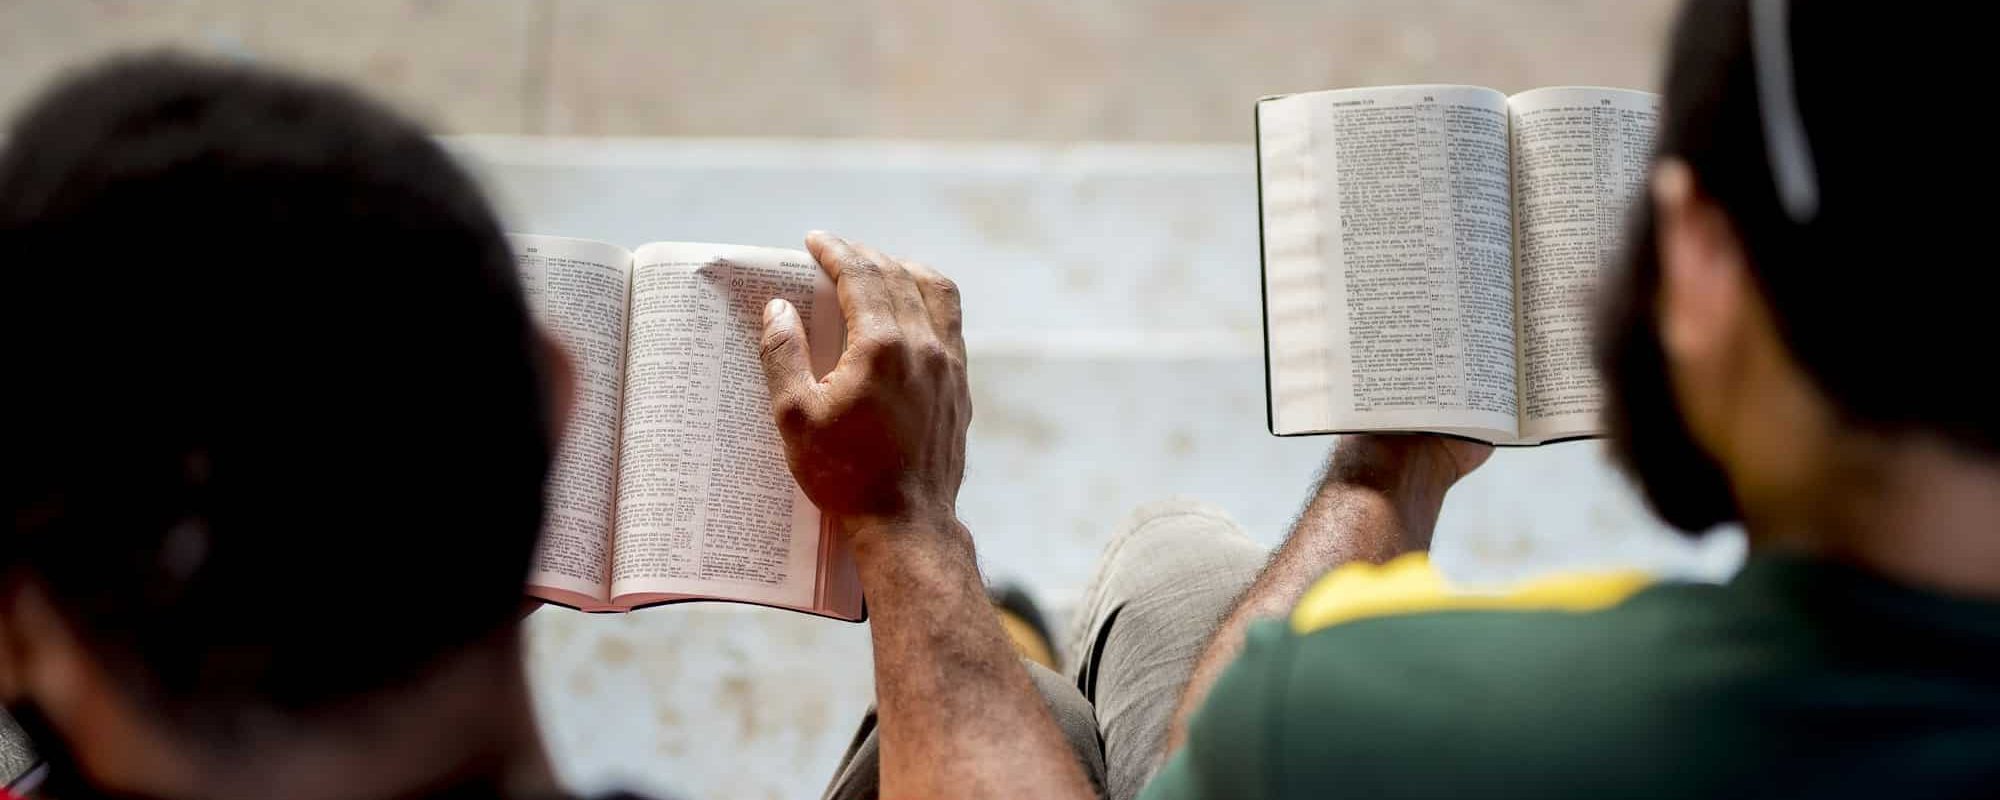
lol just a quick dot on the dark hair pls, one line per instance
(1882, 296)
(279, 432)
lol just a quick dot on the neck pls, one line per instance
(1914, 509)
(469, 725)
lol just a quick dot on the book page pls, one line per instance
(577, 290)
(1411, 251)
(1296, 319)
(1580, 156)
(706, 503)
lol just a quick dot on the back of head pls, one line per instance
(1837, 141)
(1880, 291)
(279, 439)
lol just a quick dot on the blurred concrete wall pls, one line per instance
(1119, 70)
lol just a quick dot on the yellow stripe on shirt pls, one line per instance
(1410, 585)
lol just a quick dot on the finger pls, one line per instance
(787, 360)
(941, 301)
(904, 296)
(857, 282)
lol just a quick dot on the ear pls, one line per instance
(12, 664)
(1705, 289)
(35, 641)
(43, 658)
(40, 654)
(562, 380)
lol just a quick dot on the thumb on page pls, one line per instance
(787, 361)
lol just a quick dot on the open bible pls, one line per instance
(1430, 255)
(671, 482)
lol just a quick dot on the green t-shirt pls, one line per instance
(1797, 679)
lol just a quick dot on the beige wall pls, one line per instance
(1171, 70)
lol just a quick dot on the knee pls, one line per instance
(1171, 562)
(1167, 533)
(1185, 510)
(1162, 527)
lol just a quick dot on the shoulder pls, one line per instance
(1410, 585)
(1383, 670)
(1565, 627)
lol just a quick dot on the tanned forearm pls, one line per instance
(959, 716)
(1377, 498)
(878, 443)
